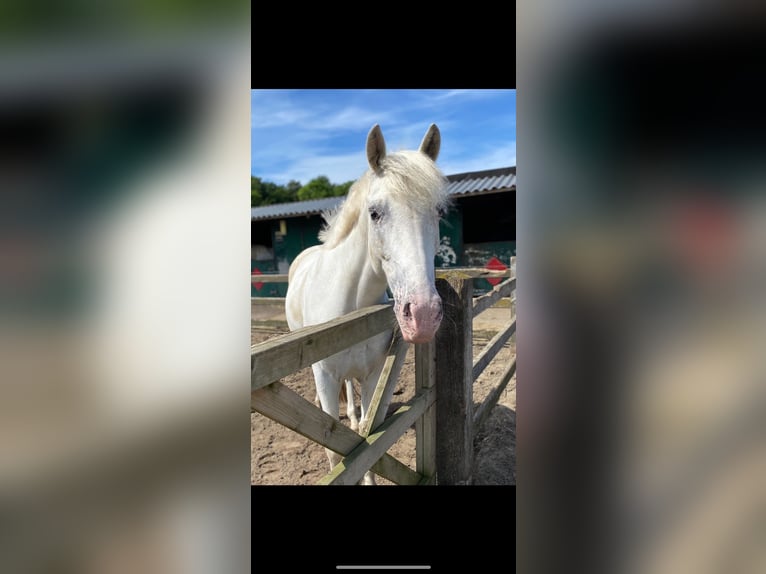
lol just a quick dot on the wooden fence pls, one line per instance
(443, 368)
(456, 371)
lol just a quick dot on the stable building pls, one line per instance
(479, 230)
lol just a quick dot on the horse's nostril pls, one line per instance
(406, 310)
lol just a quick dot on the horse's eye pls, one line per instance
(442, 212)
(374, 214)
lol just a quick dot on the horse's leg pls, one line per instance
(350, 409)
(328, 392)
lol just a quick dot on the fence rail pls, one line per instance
(504, 289)
(283, 355)
(472, 272)
(444, 377)
(288, 408)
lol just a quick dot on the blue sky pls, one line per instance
(301, 134)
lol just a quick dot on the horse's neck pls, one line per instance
(366, 287)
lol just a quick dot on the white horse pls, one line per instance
(385, 234)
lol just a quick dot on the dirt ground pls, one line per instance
(280, 456)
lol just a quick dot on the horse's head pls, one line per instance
(404, 203)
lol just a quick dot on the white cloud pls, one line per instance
(271, 110)
(466, 95)
(338, 168)
(353, 118)
(502, 156)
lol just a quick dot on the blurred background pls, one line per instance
(642, 257)
(124, 169)
(124, 159)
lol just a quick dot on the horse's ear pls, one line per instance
(376, 148)
(432, 142)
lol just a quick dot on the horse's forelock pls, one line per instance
(413, 178)
(409, 176)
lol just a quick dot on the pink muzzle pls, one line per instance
(419, 317)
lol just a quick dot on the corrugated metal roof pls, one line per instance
(469, 183)
(309, 207)
(487, 181)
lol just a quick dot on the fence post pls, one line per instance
(425, 427)
(454, 381)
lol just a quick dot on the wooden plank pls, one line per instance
(454, 384)
(475, 272)
(386, 385)
(289, 409)
(395, 471)
(488, 353)
(280, 302)
(484, 302)
(425, 426)
(268, 300)
(352, 468)
(428, 481)
(270, 278)
(281, 356)
(489, 403)
(472, 272)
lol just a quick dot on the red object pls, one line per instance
(706, 235)
(257, 285)
(495, 264)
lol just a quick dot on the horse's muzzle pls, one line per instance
(419, 318)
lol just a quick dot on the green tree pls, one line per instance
(256, 198)
(317, 188)
(271, 192)
(342, 188)
(292, 188)
(268, 193)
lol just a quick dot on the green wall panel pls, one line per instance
(479, 254)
